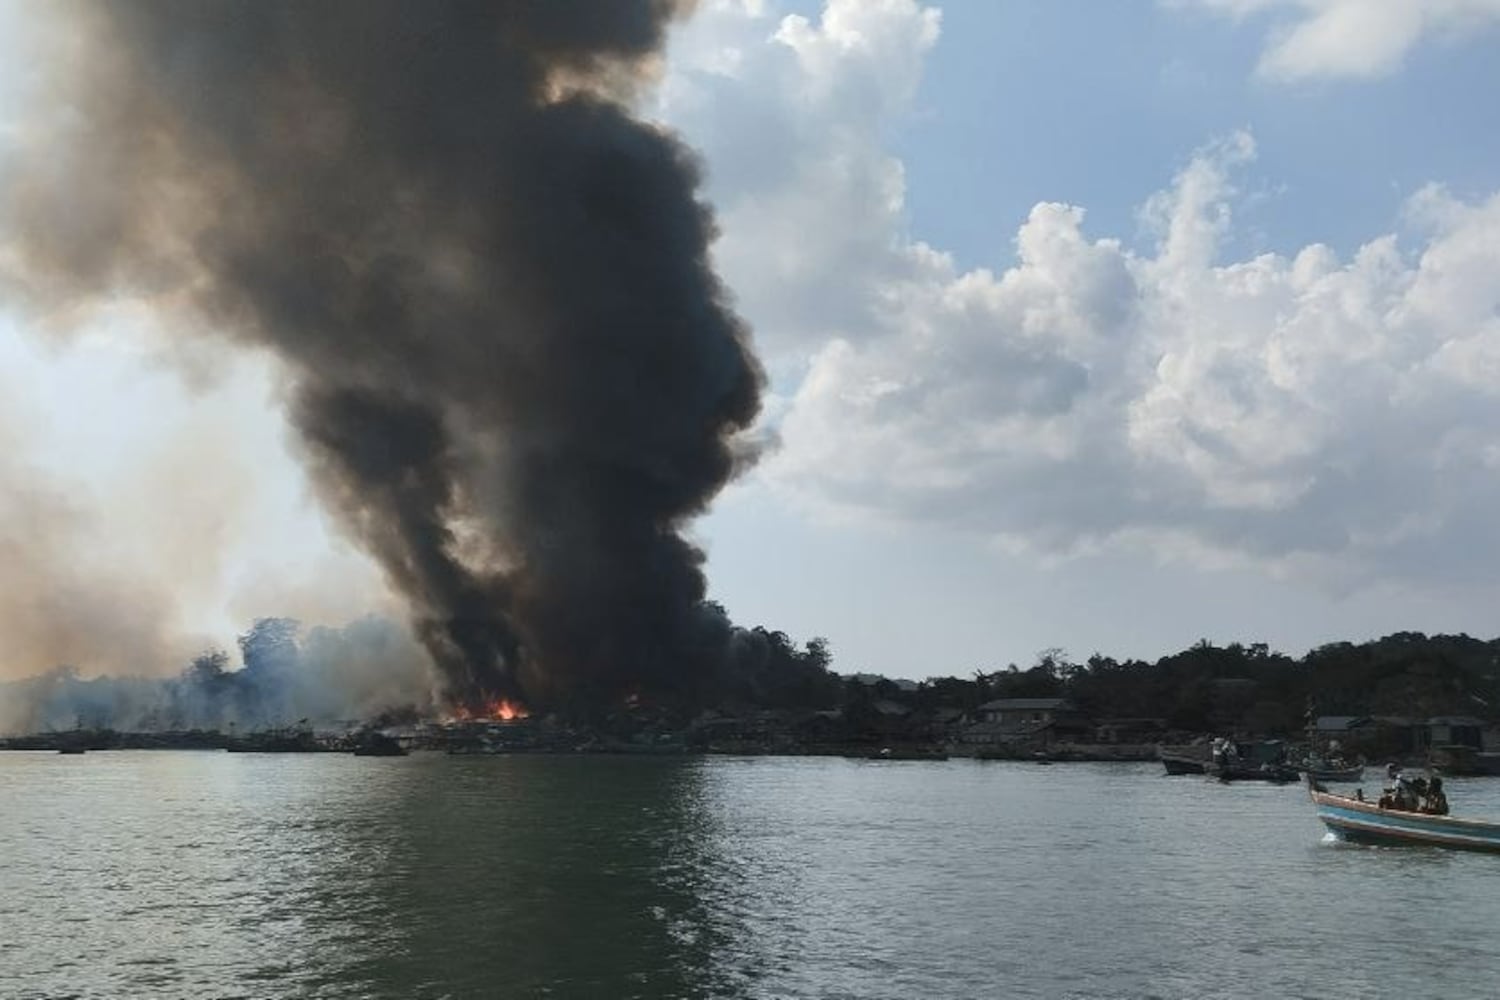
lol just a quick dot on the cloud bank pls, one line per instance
(1306, 413)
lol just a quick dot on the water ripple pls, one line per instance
(182, 875)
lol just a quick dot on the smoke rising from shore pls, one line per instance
(512, 371)
(115, 566)
(322, 677)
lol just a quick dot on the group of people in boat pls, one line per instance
(1419, 795)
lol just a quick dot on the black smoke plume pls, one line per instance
(513, 373)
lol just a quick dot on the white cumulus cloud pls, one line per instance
(1352, 38)
(1336, 416)
(790, 116)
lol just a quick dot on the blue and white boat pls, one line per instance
(1361, 822)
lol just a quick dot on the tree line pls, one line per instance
(1204, 688)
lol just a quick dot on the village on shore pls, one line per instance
(1049, 729)
(1404, 697)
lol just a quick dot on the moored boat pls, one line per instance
(1455, 760)
(1353, 819)
(289, 740)
(476, 748)
(1328, 763)
(898, 753)
(1260, 760)
(1333, 769)
(375, 744)
(1178, 762)
(1325, 774)
(1277, 774)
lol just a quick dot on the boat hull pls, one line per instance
(903, 753)
(1183, 759)
(1176, 764)
(1276, 775)
(1366, 823)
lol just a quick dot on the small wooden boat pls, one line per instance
(1334, 771)
(898, 753)
(1181, 763)
(379, 745)
(1328, 763)
(476, 748)
(1361, 822)
(1276, 774)
(1256, 760)
(1455, 760)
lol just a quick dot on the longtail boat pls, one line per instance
(1361, 822)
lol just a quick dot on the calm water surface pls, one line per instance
(228, 875)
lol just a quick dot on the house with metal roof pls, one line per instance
(1020, 711)
(1032, 719)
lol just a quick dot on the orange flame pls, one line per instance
(499, 710)
(506, 710)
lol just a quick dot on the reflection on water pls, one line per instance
(216, 875)
(570, 874)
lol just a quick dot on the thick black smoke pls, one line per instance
(513, 371)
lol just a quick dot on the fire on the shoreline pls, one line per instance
(506, 710)
(495, 710)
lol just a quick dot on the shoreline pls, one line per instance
(68, 743)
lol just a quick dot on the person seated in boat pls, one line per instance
(1436, 803)
(1393, 781)
(1399, 794)
(1220, 753)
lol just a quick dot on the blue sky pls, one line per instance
(1083, 328)
(1096, 103)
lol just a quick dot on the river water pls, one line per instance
(181, 874)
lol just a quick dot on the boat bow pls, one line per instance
(1365, 822)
